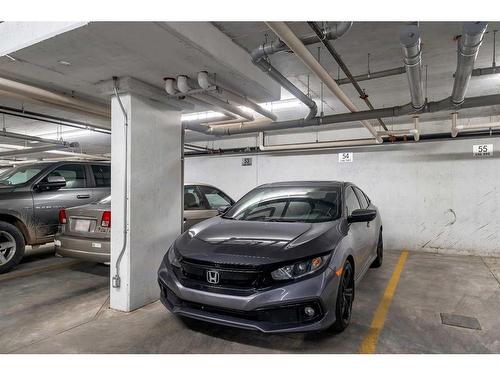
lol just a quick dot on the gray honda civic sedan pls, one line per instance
(285, 258)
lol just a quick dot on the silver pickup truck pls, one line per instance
(31, 196)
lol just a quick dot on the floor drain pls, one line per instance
(460, 321)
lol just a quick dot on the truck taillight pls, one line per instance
(62, 217)
(106, 219)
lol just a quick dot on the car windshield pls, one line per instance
(288, 204)
(22, 174)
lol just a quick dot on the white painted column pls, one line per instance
(154, 195)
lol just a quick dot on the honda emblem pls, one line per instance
(213, 277)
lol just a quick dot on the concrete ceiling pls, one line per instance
(381, 41)
(150, 51)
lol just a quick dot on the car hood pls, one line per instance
(250, 243)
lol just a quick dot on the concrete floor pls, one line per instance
(53, 305)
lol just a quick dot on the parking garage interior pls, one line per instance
(407, 111)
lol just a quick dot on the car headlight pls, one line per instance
(172, 258)
(299, 269)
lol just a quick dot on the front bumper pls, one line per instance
(88, 249)
(279, 309)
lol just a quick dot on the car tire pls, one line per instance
(380, 252)
(10, 256)
(345, 297)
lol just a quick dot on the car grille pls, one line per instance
(231, 279)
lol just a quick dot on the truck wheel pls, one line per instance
(11, 246)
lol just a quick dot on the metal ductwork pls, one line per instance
(412, 56)
(468, 47)
(267, 68)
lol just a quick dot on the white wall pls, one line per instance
(433, 196)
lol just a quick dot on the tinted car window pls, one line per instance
(288, 203)
(214, 197)
(74, 174)
(102, 175)
(361, 197)
(21, 174)
(351, 201)
(192, 199)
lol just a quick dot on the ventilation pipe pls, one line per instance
(412, 56)
(205, 81)
(287, 35)
(468, 47)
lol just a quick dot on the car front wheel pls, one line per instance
(11, 246)
(345, 297)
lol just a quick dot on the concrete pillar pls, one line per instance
(154, 195)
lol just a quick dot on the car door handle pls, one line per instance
(83, 196)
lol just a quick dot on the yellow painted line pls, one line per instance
(34, 271)
(369, 344)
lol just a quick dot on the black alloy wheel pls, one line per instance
(345, 298)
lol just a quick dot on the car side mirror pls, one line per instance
(362, 215)
(223, 210)
(51, 183)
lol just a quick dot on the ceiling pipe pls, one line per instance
(170, 86)
(287, 35)
(454, 130)
(185, 85)
(328, 33)
(172, 89)
(415, 132)
(486, 71)
(388, 143)
(345, 69)
(225, 105)
(409, 38)
(373, 75)
(396, 111)
(468, 47)
(272, 72)
(205, 81)
(53, 98)
(314, 145)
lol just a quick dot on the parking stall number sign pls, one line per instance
(482, 150)
(346, 157)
